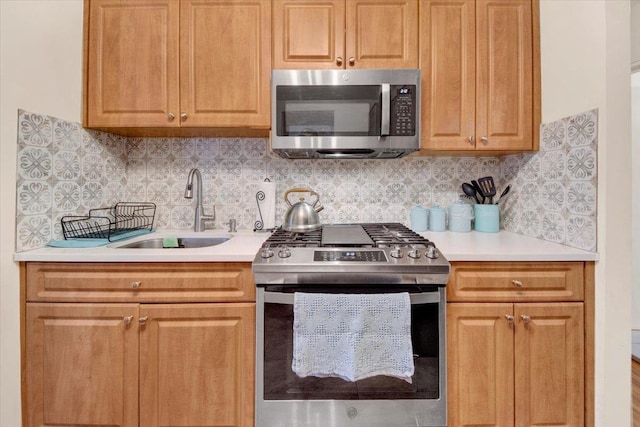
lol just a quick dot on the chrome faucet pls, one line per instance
(200, 217)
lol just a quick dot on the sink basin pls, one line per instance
(183, 243)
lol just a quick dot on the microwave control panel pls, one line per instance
(403, 110)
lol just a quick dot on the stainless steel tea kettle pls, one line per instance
(302, 216)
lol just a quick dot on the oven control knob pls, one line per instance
(284, 252)
(396, 252)
(414, 253)
(431, 252)
(266, 253)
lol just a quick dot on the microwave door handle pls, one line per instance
(386, 109)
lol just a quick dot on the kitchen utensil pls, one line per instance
(504, 193)
(478, 189)
(470, 191)
(302, 216)
(437, 219)
(488, 188)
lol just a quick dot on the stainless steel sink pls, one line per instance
(183, 243)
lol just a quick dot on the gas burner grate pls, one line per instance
(383, 235)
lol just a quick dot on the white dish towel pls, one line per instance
(352, 336)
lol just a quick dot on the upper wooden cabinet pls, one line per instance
(168, 64)
(480, 75)
(314, 34)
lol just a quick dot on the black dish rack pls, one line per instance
(112, 223)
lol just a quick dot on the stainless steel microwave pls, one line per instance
(345, 113)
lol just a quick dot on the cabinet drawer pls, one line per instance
(516, 281)
(139, 282)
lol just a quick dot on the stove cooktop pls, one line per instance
(350, 253)
(376, 235)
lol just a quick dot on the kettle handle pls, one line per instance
(301, 190)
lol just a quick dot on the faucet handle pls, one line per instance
(232, 225)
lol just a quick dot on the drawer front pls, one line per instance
(516, 281)
(139, 282)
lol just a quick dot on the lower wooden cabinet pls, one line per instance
(81, 365)
(519, 363)
(516, 364)
(137, 364)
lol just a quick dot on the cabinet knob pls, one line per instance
(484, 140)
(525, 318)
(170, 117)
(517, 283)
(352, 61)
(183, 116)
(135, 285)
(510, 318)
(471, 139)
(127, 320)
(143, 320)
(339, 61)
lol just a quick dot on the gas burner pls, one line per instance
(351, 253)
(381, 235)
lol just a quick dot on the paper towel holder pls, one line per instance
(259, 224)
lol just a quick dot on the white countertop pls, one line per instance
(243, 246)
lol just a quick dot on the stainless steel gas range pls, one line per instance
(374, 258)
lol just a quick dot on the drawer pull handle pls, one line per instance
(127, 320)
(143, 320)
(135, 285)
(510, 318)
(517, 283)
(525, 318)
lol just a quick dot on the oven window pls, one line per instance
(328, 110)
(281, 383)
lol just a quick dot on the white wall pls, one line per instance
(585, 51)
(41, 71)
(635, 182)
(635, 137)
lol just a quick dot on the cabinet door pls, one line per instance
(504, 73)
(132, 63)
(549, 371)
(480, 364)
(308, 34)
(382, 34)
(225, 63)
(81, 365)
(197, 365)
(447, 61)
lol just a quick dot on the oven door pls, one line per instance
(285, 400)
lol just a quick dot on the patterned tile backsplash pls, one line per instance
(555, 189)
(64, 169)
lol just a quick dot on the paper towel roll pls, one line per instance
(266, 199)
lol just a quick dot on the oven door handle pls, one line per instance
(288, 298)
